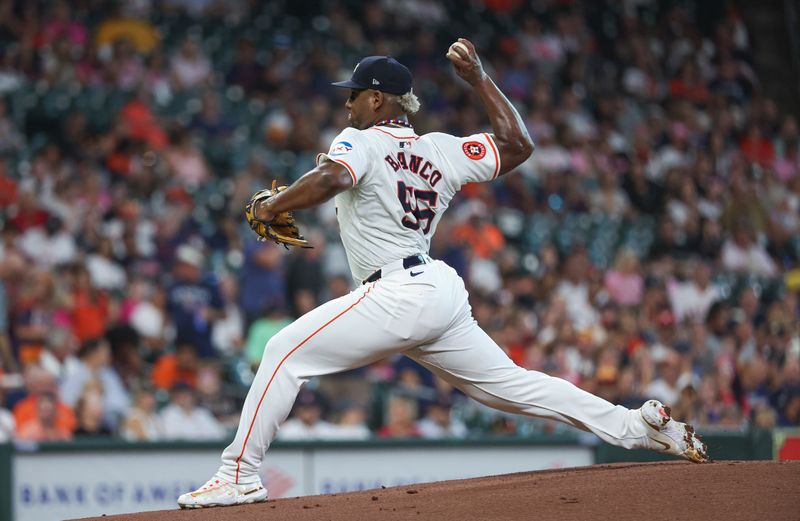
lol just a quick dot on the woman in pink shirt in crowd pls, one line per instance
(625, 283)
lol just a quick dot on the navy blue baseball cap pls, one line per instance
(382, 73)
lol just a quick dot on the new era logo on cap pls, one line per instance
(382, 73)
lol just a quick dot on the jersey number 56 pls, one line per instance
(419, 206)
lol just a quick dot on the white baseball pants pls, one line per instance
(428, 318)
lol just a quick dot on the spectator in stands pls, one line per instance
(129, 356)
(211, 124)
(692, 299)
(351, 424)
(401, 415)
(305, 276)
(193, 301)
(45, 424)
(176, 368)
(95, 371)
(483, 237)
(7, 423)
(61, 24)
(183, 419)
(51, 245)
(10, 138)
(670, 381)
(610, 199)
(142, 423)
(88, 306)
(185, 161)
(787, 398)
(91, 415)
(790, 413)
(228, 333)
(190, 67)
(742, 254)
(138, 122)
(244, 71)
(305, 421)
(625, 283)
(275, 318)
(575, 289)
(211, 397)
(7, 360)
(39, 383)
(144, 309)
(126, 66)
(104, 270)
(262, 280)
(439, 423)
(58, 358)
(756, 147)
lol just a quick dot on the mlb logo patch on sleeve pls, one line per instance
(340, 148)
(474, 150)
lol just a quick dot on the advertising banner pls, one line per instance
(58, 485)
(55, 486)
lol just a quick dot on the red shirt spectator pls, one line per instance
(757, 148)
(89, 310)
(142, 124)
(178, 367)
(28, 415)
(484, 238)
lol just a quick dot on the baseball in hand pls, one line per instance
(454, 51)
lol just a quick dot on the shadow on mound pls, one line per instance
(723, 491)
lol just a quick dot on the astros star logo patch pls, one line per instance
(474, 150)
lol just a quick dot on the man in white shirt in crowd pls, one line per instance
(742, 254)
(183, 419)
(693, 298)
(306, 422)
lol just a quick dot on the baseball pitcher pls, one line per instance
(391, 188)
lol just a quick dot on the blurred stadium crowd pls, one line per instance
(649, 248)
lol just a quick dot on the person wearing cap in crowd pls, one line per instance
(306, 421)
(351, 423)
(439, 423)
(184, 419)
(194, 301)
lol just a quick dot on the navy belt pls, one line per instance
(408, 262)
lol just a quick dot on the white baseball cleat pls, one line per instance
(669, 436)
(218, 493)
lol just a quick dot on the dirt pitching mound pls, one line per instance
(723, 491)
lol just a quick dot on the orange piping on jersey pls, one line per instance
(348, 167)
(390, 134)
(298, 346)
(496, 155)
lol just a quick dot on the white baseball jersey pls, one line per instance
(402, 184)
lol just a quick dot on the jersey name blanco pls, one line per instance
(402, 184)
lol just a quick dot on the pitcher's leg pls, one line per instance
(342, 334)
(471, 361)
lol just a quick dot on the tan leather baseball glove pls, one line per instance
(281, 229)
